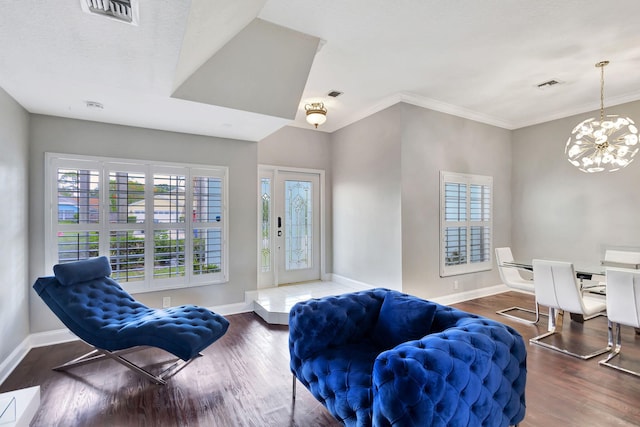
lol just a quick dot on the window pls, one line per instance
(465, 223)
(162, 225)
(265, 225)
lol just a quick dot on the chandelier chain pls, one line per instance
(601, 65)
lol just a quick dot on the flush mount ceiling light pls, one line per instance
(605, 144)
(316, 113)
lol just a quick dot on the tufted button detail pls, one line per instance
(439, 379)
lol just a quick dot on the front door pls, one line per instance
(293, 247)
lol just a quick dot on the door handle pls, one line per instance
(279, 222)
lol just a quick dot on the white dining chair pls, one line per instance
(512, 278)
(619, 259)
(557, 288)
(623, 308)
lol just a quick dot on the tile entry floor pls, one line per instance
(274, 304)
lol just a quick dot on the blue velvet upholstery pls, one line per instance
(402, 318)
(465, 371)
(100, 312)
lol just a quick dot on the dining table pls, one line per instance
(583, 272)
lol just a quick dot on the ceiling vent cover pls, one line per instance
(121, 10)
(548, 84)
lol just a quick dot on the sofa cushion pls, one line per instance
(402, 318)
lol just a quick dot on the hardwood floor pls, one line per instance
(244, 380)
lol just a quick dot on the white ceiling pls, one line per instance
(476, 59)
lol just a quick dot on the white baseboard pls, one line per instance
(58, 336)
(341, 280)
(38, 339)
(444, 300)
(9, 364)
(236, 308)
(469, 295)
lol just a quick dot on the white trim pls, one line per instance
(469, 295)
(11, 362)
(342, 280)
(235, 308)
(56, 336)
(454, 110)
(424, 102)
(37, 339)
(444, 300)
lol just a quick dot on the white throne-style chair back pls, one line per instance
(558, 288)
(623, 296)
(511, 277)
(622, 257)
(623, 308)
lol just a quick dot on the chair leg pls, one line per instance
(505, 313)
(554, 315)
(616, 352)
(293, 388)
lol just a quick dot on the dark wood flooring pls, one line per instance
(244, 380)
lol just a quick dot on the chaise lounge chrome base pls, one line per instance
(98, 354)
(616, 351)
(553, 323)
(102, 314)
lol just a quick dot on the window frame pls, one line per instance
(105, 226)
(468, 266)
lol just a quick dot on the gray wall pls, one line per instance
(51, 134)
(562, 213)
(303, 148)
(14, 281)
(386, 195)
(367, 231)
(432, 142)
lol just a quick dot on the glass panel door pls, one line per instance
(298, 227)
(298, 208)
(266, 275)
(289, 240)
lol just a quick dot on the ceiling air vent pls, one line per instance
(548, 84)
(120, 10)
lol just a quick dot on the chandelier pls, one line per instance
(316, 113)
(605, 144)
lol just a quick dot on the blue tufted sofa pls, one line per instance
(384, 358)
(101, 313)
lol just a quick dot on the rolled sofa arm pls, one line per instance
(472, 374)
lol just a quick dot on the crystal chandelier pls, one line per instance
(605, 144)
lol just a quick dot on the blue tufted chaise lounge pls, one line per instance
(384, 358)
(96, 309)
